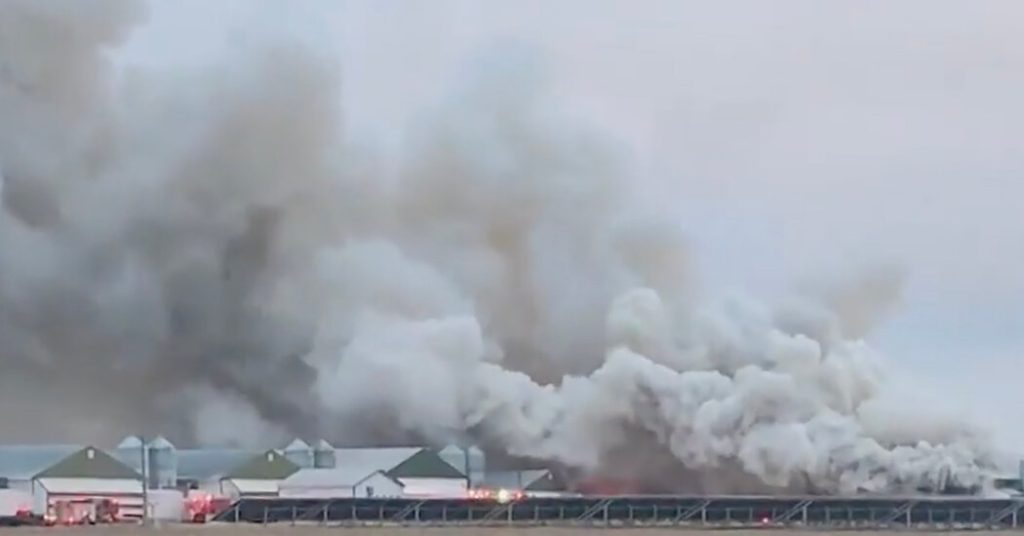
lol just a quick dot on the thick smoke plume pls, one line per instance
(214, 262)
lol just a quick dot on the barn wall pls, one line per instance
(382, 487)
(434, 487)
(127, 493)
(250, 487)
(11, 501)
(166, 504)
(319, 492)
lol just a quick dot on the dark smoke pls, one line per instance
(213, 263)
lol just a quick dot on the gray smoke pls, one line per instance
(216, 263)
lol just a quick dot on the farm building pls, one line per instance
(300, 453)
(324, 455)
(259, 476)
(421, 471)
(203, 469)
(318, 456)
(70, 472)
(470, 461)
(159, 456)
(531, 482)
(339, 482)
(14, 504)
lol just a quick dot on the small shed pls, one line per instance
(340, 482)
(260, 476)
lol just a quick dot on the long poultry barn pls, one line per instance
(57, 476)
(340, 482)
(420, 471)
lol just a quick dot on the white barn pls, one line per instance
(421, 471)
(470, 461)
(261, 476)
(69, 472)
(204, 469)
(531, 482)
(340, 482)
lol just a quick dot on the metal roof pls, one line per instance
(270, 465)
(161, 442)
(297, 445)
(24, 462)
(374, 459)
(130, 457)
(338, 477)
(426, 464)
(398, 462)
(89, 462)
(513, 479)
(130, 442)
(208, 464)
(256, 486)
(135, 442)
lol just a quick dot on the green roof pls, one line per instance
(271, 465)
(548, 482)
(89, 462)
(425, 464)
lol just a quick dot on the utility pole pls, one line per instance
(145, 480)
(469, 472)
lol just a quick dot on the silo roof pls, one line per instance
(130, 442)
(161, 442)
(297, 444)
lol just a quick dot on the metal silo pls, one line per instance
(323, 455)
(300, 453)
(129, 452)
(163, 463)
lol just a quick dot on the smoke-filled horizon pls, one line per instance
(211, 259)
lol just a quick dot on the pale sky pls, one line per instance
(790, 139)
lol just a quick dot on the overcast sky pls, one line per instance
(790, 139)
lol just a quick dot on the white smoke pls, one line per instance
(232, 265)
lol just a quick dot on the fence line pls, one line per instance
(823, 512)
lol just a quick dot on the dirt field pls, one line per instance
(281, 530)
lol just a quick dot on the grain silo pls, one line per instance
(300, 453)
(162, 469)
(129, 452)
(323, 455)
